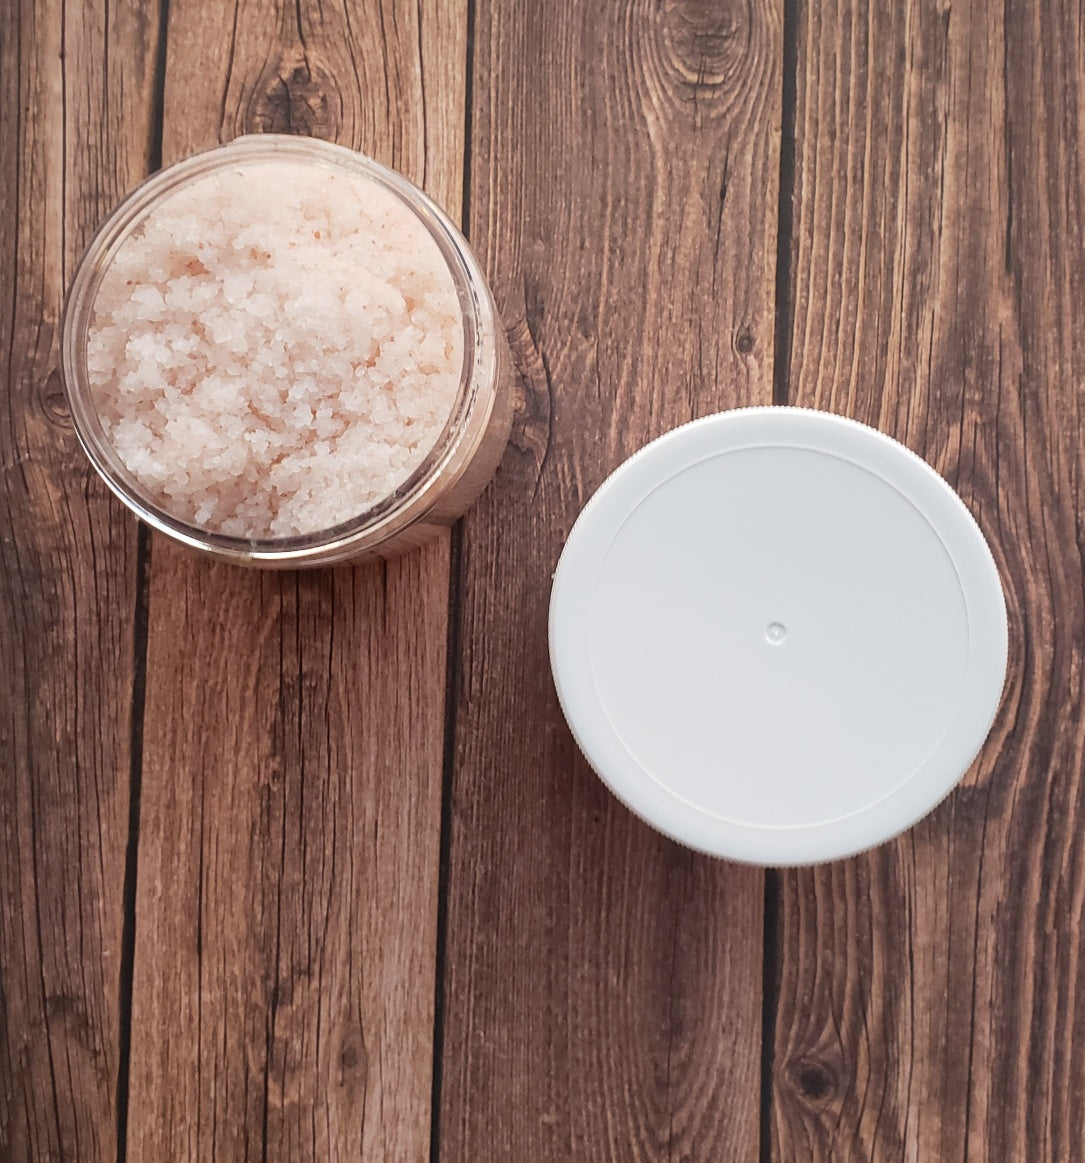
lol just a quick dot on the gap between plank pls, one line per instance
(781, 395)
(770, 985)
(158, 91)
(781, 377)
(139, 684)
(452, 673)
(452, 690)
(468, 110)
(131, 855)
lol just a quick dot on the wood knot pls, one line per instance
(744, 341)
(353, 1062)
(704, 41)
(813, 1079)
(54, 400)
(532, 417)
(295, 95)
(67, 1012)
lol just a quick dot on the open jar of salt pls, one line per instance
(283, 354)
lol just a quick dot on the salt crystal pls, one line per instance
(275, 349)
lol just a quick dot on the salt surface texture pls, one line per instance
(276, 349)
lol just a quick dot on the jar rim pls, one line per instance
(391, 514)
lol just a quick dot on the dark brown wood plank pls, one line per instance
(932, 998)
(72, 137)
(287, 899)
(603, 986)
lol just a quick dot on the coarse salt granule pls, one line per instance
(275, 349)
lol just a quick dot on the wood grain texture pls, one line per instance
(932, 994)
(71, 138)
(287, 894)
(602, 996)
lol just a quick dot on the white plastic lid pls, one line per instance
(778, 635)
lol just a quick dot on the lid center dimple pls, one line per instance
(776, 633)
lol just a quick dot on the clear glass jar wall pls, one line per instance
(453, 472)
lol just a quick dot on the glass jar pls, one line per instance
(453, 472)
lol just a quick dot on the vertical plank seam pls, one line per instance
(671, 1031)
(158, 91)
(131, 855)
(275, 995)
(781, 372)
(781, 395)
(468, 118)
(452, 690)
(420, 17)
(64, 137)
(452, 673)
(140, 622)
(770, 986)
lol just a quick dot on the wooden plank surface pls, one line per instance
(602, 989)
(291, 786)
(930, 1003)
(67, 587)
(602, 996)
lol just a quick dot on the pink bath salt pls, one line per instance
(275, 349)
